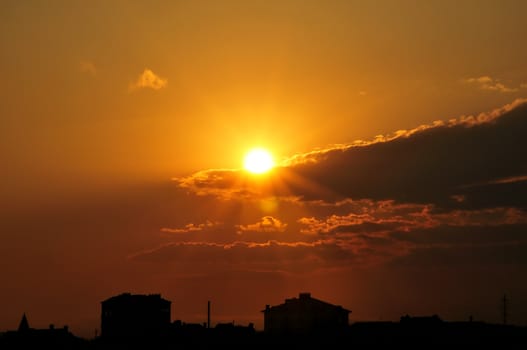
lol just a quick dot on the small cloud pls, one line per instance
(481, 80)
(490, 84)
(191, 227)
(149, 79)
(266, 224)
(498, 87)
(505, 180)
(362, 93)
(459, 198)
(523, 85)
(87, 67)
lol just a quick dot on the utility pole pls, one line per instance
(504, 305)
(208, 314)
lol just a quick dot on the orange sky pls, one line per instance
(114, 114)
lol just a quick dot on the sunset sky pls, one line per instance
(398, 131)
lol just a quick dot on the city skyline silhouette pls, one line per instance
(138, 320)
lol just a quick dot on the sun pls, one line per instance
(258, 161)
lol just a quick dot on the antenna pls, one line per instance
(504, 305)
(208, 314)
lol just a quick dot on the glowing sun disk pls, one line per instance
(258, 161)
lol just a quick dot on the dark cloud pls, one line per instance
(496, 254)
(431, 165)
(448, 235)
(458, 163)
(475, 244)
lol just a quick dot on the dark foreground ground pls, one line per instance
(359, 336)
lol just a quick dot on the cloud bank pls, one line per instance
(469, 162)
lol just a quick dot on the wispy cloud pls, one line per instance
(280, 255)
(148, 79)
(273, 254)
(191, 227)
(387, 217)
(266, 224)
(491, 84)
(88, 67)
(506, 180)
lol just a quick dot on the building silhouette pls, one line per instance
(143, 322)
(304, 315)
(26, 337)
(24, 325)
(134, 315)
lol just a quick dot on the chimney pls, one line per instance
(304, 295)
